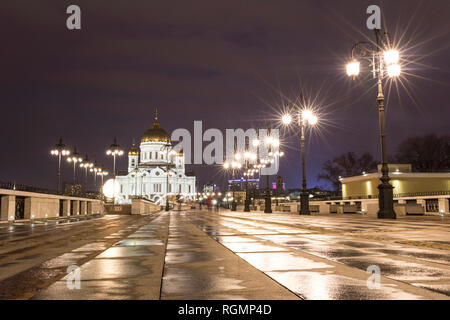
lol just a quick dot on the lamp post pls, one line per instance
(86, 164)
(114, 151)
(262, 164)
(74, 159)
(94, 170)
(169, 152)
(60, 151)
(102, 174)
(233, 166)
(247, 157)
(267, 198)
(305, 117)
(383, 58)
(271, 144)
(250, 174)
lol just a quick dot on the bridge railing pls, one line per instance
(27, 188)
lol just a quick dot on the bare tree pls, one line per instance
(429, 153)
(346, 165)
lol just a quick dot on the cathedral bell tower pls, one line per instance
(133, 158)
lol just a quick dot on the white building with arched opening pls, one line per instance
(149, 166)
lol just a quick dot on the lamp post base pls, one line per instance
(386, 201)
(247, 205)
(268, 206)
(304, 203)
(167, 206)
(233, 206)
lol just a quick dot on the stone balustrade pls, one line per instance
(18, 205)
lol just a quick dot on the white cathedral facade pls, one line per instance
(155, 170)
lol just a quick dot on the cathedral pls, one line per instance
(155, 170)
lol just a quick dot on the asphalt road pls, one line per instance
(209, 255)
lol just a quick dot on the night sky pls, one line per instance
(231, 64)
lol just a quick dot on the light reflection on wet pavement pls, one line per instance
(130, 269)
(206, 255)
(197, 267)
(324, 251)
(32, 258)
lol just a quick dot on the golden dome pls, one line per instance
(133, 150)
(155, 133)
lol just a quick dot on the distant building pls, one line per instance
(404, 181)
(153, 171)
(315, 193)
(72, 189)
(209, 188)
(278, 185)
(429, 189)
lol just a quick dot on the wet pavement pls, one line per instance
(209, 255)
(167, 258)
(33, 255)
(198, 267)
(409, 260)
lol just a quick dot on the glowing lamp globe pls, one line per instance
(391, 57)
(353, 68)
(306, 114)
(111, 188)
(286, 119)
(313, 120)
(394, 70)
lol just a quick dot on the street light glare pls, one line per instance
(306, 114)
(393, 70)
(255, 142)
(275, 143)
(353, 68)
(391, 57)
(313, 120)
(111, 188)
(286, 119)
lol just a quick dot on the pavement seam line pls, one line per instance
(165, 253)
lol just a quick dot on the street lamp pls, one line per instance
(305, 117)
(74, 158)
(86, 164)
(233, 166)
(60, 151)
(94, 169)
(381, 58)
(270, 142)
(102, 174)
(114, 151)
(247, 157)
(169, 152)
